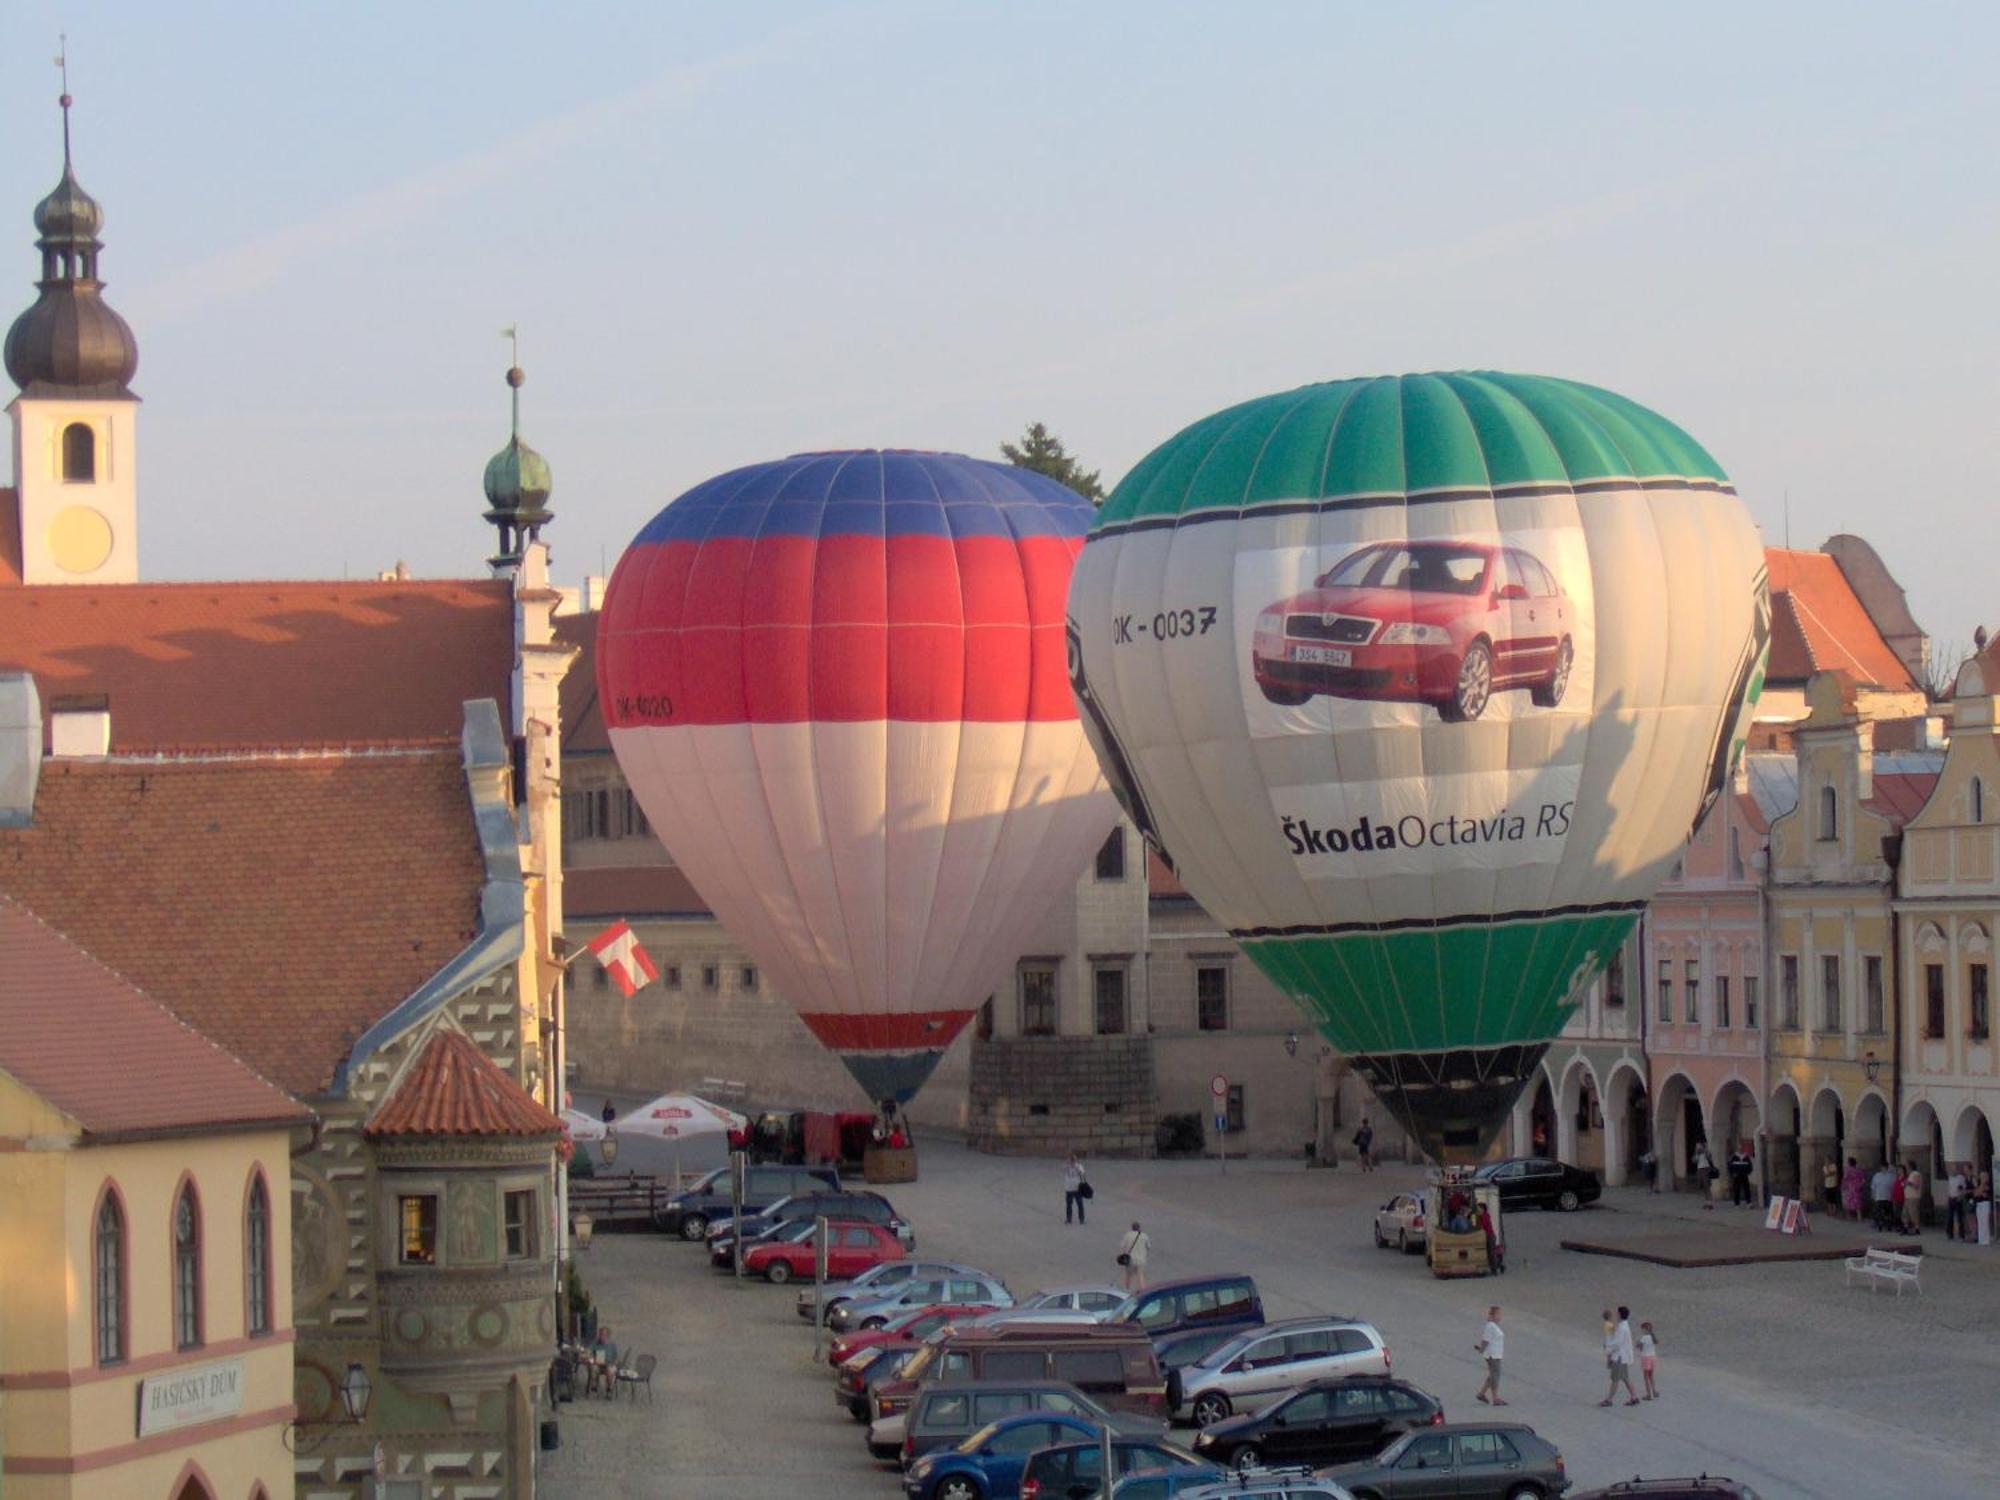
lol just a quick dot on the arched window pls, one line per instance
(79, 454)
(1829, 812)
(108, 1276)
(257, 1259)
(187, 1269)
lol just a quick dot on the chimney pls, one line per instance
(20, 748)
(79, 726)
(593, 592)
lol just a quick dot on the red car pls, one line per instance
(852, 1247)
(907, 1328)
(1439, 622)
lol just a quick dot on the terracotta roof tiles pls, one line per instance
(631, 891)
(455, 1089)
(582, 720)
(281, 905)
(241, 664)
(116, 1062)
(1818, 624)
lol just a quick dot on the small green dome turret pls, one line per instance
(517, 487)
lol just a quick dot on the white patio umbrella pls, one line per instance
(674, 1117)
(582, 1127)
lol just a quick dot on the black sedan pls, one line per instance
(1329, 1421)
(1537, 1182)
(1465, 1460)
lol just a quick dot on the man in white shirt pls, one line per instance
(1493, 1345)
(1132, 1255)
(1619, 1350)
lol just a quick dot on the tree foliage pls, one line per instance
(1042, 451)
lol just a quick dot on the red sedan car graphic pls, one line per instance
(1439, 622)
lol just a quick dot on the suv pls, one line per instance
(1468, 1460)
(1113, 1366)
(687, 1213)
(942, 1416)
(1192, 1303)
(1328, 1422)
(1702, 1487)
(1260, 1363)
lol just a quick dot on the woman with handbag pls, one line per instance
(1132, 1253)
(1076, 1190)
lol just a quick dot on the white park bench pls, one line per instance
(1890, 1266)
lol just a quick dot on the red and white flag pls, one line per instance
(617, 948)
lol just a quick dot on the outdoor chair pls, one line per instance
(640, 1374)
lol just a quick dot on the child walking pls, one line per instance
(1649, 1359)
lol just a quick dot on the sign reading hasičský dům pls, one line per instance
(194, 1393)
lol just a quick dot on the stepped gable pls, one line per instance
(455, 1089)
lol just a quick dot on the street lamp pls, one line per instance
(355, 1391)
(1872, 1066)
(607, 1148)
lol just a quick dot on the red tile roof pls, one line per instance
(1819, 625)
(10, 538)
(1161, 881)
(631, 891)
(119, 1064)
(280, 904)
(582, 720)
(263, 664)
(454, 1089)
(1900, 797)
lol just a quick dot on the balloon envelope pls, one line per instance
(837, 685)
(1421, 683)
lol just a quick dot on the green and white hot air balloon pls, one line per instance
(1421, 683)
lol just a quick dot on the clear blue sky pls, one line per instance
(731, 231)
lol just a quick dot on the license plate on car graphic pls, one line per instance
(1323, 656)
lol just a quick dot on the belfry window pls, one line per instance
(79, 454)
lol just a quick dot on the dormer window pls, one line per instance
(79, 454)
(1829, 813)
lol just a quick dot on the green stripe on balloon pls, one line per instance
(1419, 990)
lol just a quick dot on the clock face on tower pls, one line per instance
(79, 539)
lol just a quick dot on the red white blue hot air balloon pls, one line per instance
(837, 684)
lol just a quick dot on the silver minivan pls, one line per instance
(1261, 1364)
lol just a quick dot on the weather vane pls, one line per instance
(512, 334)
(62, 62)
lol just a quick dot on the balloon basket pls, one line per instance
(889, 1164)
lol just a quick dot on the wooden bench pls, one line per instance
(1890, 1266)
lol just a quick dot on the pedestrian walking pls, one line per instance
(1954, 1203)
(1982, 1208)
(1913, 1200)
(1704, 1173)
(1496, 1253)
(1852, 1181)
(1649, 1163)
(1829, 1176)
(1649, 1359)
(1888, 1197)
(609, 1113)
(1618, 1356)
(1076, 1189)
(1132, 1252)
(1740, 1167)
(1493, 1345)
(1364, 1145)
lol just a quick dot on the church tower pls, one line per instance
(75, 419)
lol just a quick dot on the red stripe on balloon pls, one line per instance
(883, 1033)
(785, 629)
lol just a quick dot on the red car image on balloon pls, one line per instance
(1448, 623)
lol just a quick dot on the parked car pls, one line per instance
(1114, 1366)
(1249, 1484)
(1704, 1487)
(835, 1292)
(870, 1208)
(1328, 1422)
(1536, 1182)
(874, 1307)
(1094, 1297)
(1179, 1350)
(945, 1413)
(988, 1464)
(908, 1327)
(1400, 1222)
(1466, 1460)
(859, 1374)
(687, 1213)
(1248, 1371)
(721, 1251)
(1190, 1304)
(1075, 1471)
(1443, 622)
(850, 1250)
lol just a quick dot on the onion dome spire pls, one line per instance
(517, 481)
(70, 343)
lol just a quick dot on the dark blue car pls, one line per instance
(988, 1465)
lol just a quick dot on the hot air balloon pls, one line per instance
(837, 685)
(1420, 682)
